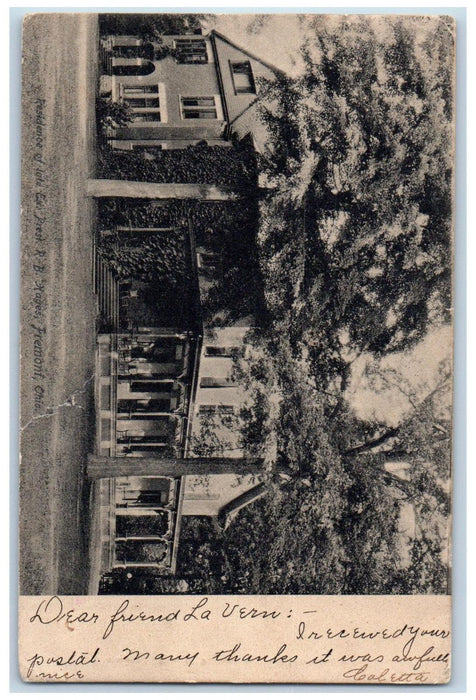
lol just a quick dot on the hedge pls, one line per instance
(162, 259)
(233, 167)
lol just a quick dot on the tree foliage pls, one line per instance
(356, 236)
(111, 114)
(149, 26)
(331, 520)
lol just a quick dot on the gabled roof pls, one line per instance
(241, 109)
(270, 66)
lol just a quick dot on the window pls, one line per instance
(139, 50)
(144, 102)
(242, 76)
(198, 101)
(126, 51)
(199, 108)
(132, 90)
(145, 117)
(143, 68)
(191, 51)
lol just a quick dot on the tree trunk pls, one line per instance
(107, 467)
(375, 442)
(156, 190)
(376, 463)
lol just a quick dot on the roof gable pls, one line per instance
(268, 66)
(228, 57)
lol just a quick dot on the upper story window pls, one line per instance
(191, 51)
(199, 108)
(139, 66)
(144, 102)
(242, 75)
(136, 90)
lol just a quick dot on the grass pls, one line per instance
(58, 154)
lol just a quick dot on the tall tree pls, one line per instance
(358, 226)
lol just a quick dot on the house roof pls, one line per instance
(231, 509)
(266, 64)
(241, 109)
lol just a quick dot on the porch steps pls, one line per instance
(105, 56)
(106, 287)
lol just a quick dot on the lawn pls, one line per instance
(58, 308)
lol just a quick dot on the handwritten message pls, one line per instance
(307, 639)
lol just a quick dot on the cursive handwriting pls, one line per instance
(232, 655)
(362, 675)
(207, 633)
(52, 610)
(122, 616)
(136, 655)
(84, 658)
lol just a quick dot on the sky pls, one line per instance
(274, 38)
(417, 366)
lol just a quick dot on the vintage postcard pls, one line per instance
(236, 348)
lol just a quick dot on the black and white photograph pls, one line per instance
(236, 305)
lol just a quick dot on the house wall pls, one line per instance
(220, 367)
(175, 80)
(207, 495)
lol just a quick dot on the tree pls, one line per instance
(356, 235)
(149, 26)
(426, 570)
(111, 114)
(420, 443)
(330, 521)
(353, 245)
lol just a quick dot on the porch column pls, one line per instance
(108, 467)
(156, 190)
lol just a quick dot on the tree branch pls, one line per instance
(375, 442)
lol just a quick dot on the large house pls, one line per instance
(165, 384)
(162, 391)
(183, 90)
